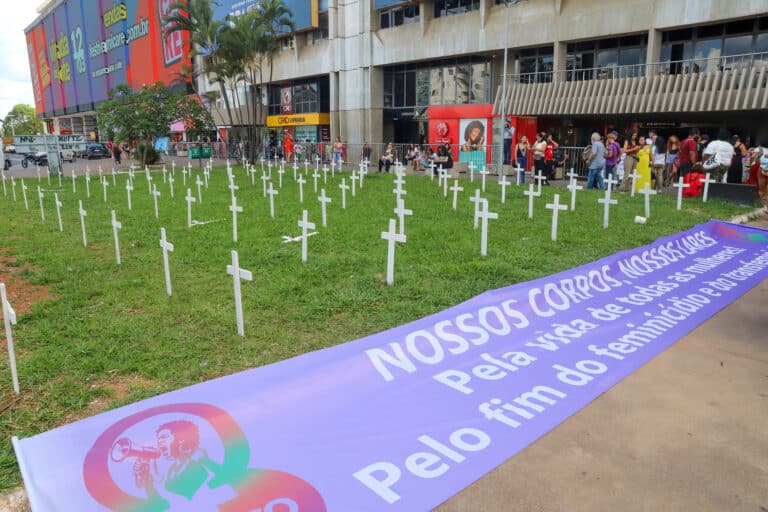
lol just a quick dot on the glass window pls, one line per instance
(410, 89)
(384, 20)
(706, 53)
(422, 87)
(462, 84)
(477, 90)
(631, 56)
(737, 45)
(761, 43)
(449, 85)
(436, 86)
(399, 90)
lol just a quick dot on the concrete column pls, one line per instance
(653, 53)
(485, 11)
(559, 61)
(426, 14)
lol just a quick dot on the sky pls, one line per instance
(15, 82)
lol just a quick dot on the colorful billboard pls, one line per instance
(81, 49)
(304, 11)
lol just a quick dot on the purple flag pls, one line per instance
(404, 419)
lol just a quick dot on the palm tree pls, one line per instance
(196, 18)
(277, 20)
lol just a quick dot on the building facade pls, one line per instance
(574, 66)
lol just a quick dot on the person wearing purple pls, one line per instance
(612, 152)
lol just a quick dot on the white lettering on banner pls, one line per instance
(659, 257)
(120, 39)
(423, 464)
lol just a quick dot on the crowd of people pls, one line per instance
(660, 163)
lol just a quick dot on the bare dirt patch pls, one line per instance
(115, 389)
(21, 294)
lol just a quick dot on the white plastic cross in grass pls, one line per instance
(58, 210)
(40, 197)
(166, 247)
(316, 175)
(634, 177)
(556, 207)
(680, 186)
(485, 215)
(301, 181)
(477, 200)
(503, 183)
(573, 186)
(706, 181)
(235, 209)
(304, 224)
(484, 172)
(9, 319)
(539, 181)
(344, 187)
(401, 211)
(354, 178)
(264, 180)
(272, 193)
(648, 192)
(456, 189)
(24, 193)
(607, 202)
(190, 199)
(392, 236)
(323, 202)
(155, 195)
(128, 190)
(531, 194)
(115, 227)
(83, 214)
(199, 184)
(170, 184)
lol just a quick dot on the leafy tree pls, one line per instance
(22, 120)
(148, 113)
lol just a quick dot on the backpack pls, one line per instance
(586, 153)
(693, 179)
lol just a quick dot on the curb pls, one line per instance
(747, 217)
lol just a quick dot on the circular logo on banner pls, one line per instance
(187, 457)
(442, 129)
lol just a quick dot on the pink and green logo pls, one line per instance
(184, 457)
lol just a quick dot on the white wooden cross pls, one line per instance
(101, 173)
(105, 184)
(128, 189)
(445, 185)
(269, 168)
(301, 181)
(295, 168)
(199, 184)
(232, 188)
(116, 226)
(61, 171)
(354, 179)
(13, 188)
(37, 168)
(706, 181)
(484, 172)
(83, 214)
(304, 224)
(234, 209)
(471, 172)
(680, 186)
(24, 193)
(634, 177)
(184, 176)
(503, 182)
(432, 171)
(361, 169)
(280, 173)
(401, 211)
(648, 192)
(456, 189)
(399, 182)
(253, 175)
(485, 215)
(540, 180)
(166, 246)
(531, 194)
(87, 184)
(572, 175)
(114, 178)
(74, 185)
(316, 175)
(440, 174)
(555, 206)
(317, 163)
(392, 236)
(325, 175)
(607, 202)
(173, 166)
(149, 180)
(165, 175)
(58, 210)
(9, 318)
(5, 190)
(477, 200)
(40, 197)
(610, 182)
(206, 177)
(170, 183)
(264, 180)
(344, 187)
(520, 173)
(190, 199)
(363, 172)
(155, 195)
(48, 175)
(272, 193)
(573, 186)
(323, 202)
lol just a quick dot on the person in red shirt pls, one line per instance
(689, 154)
(288, 146)
(549, 157)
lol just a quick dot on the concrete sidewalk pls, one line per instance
(687, 431)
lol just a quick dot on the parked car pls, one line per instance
(67, 155)
(39, 158)
(10, 148)
(96, 150)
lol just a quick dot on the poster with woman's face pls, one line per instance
(473, 134)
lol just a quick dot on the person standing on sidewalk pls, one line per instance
(596, 163)
(631, 147)
(612, 152)
(509, 132)
(689, 153)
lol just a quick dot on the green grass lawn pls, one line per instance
(112, 335)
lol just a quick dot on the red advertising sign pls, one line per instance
(286, 99)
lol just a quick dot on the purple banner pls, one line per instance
(404, 419)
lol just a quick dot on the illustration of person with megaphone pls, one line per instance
(176, 467)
